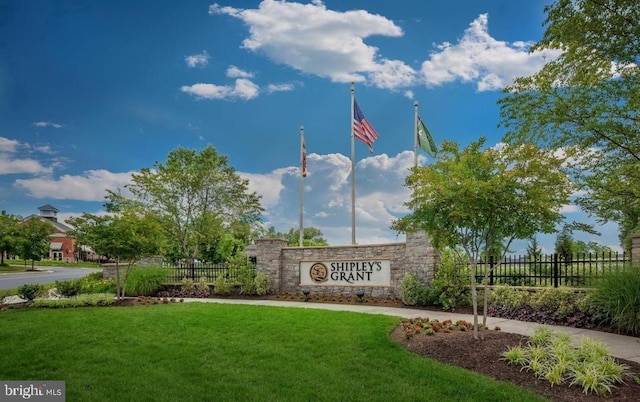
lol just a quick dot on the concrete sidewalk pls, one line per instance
(621, 346)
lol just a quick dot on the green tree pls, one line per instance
(586, 102)
(595, 247)
(476, 199)
(564, 244)
(8, 234)
(197, 197)
(534, 251)
(127, 233)
(33, 239)
(311, 236)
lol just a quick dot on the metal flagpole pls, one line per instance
(353, 170)
(301, 195)
(415, 134)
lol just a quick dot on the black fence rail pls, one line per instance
(197, 270)
(578, 270)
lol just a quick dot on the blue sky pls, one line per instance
(93, 91)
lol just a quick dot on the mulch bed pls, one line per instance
(483, 356)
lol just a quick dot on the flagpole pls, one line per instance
(353, 169)
(301, 195)
(415, 134)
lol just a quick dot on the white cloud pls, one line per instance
(45, 149)
(479, 58)
(197, 60)
(91, 186)
(268, 185)
(235, 72)
(22, 166)
(280, 87)
(47, 124)
(409, 94)
(9, 146)
(315, 40)
(569, 208)
(14, 159)
(243, 89)
(327, 196)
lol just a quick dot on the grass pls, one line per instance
(50, 263)
(13, 268)
(200, 351)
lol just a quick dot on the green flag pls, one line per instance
(425, 140)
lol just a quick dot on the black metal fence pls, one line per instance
(578, 270)
(197, 270)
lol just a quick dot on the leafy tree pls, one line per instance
(586, 102)
(476, 199)
(580, 247)
(311, 236)
(33, 239)
(592, 247)
(8, 234)
(564, 244)
(197, 197)
(127, 233)
(534, 251)
(595, 247)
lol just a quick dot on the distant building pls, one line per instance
(61, 246)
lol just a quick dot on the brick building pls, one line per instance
(61, 246)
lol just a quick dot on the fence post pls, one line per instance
(556, 271)
(491, 263)
(193, 270)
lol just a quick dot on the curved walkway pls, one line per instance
(621, 346)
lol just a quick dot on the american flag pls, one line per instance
(304, 157)
(362, 129)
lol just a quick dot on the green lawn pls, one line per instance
(51, 263)
(205, 352)
(12, 269)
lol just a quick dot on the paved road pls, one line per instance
(43, 275)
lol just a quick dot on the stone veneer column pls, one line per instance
(268, 254)
(421, 258)
(635, 249)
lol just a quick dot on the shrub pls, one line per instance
(29, 291)
(451, 282)
(508, 297)
(245, 273)
(411, 290)
(618, 294)
(85, 300)
(560, 301)
(94, 283)
(550, 356)
(145, 281)
(202, 284)
(262, 284)
(222, 286)
(187, 284)
(94, 276)
(69, 288)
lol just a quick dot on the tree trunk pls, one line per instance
(474, 300)
(117, 278)
(485, 299)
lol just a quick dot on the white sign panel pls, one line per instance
(346, 273)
